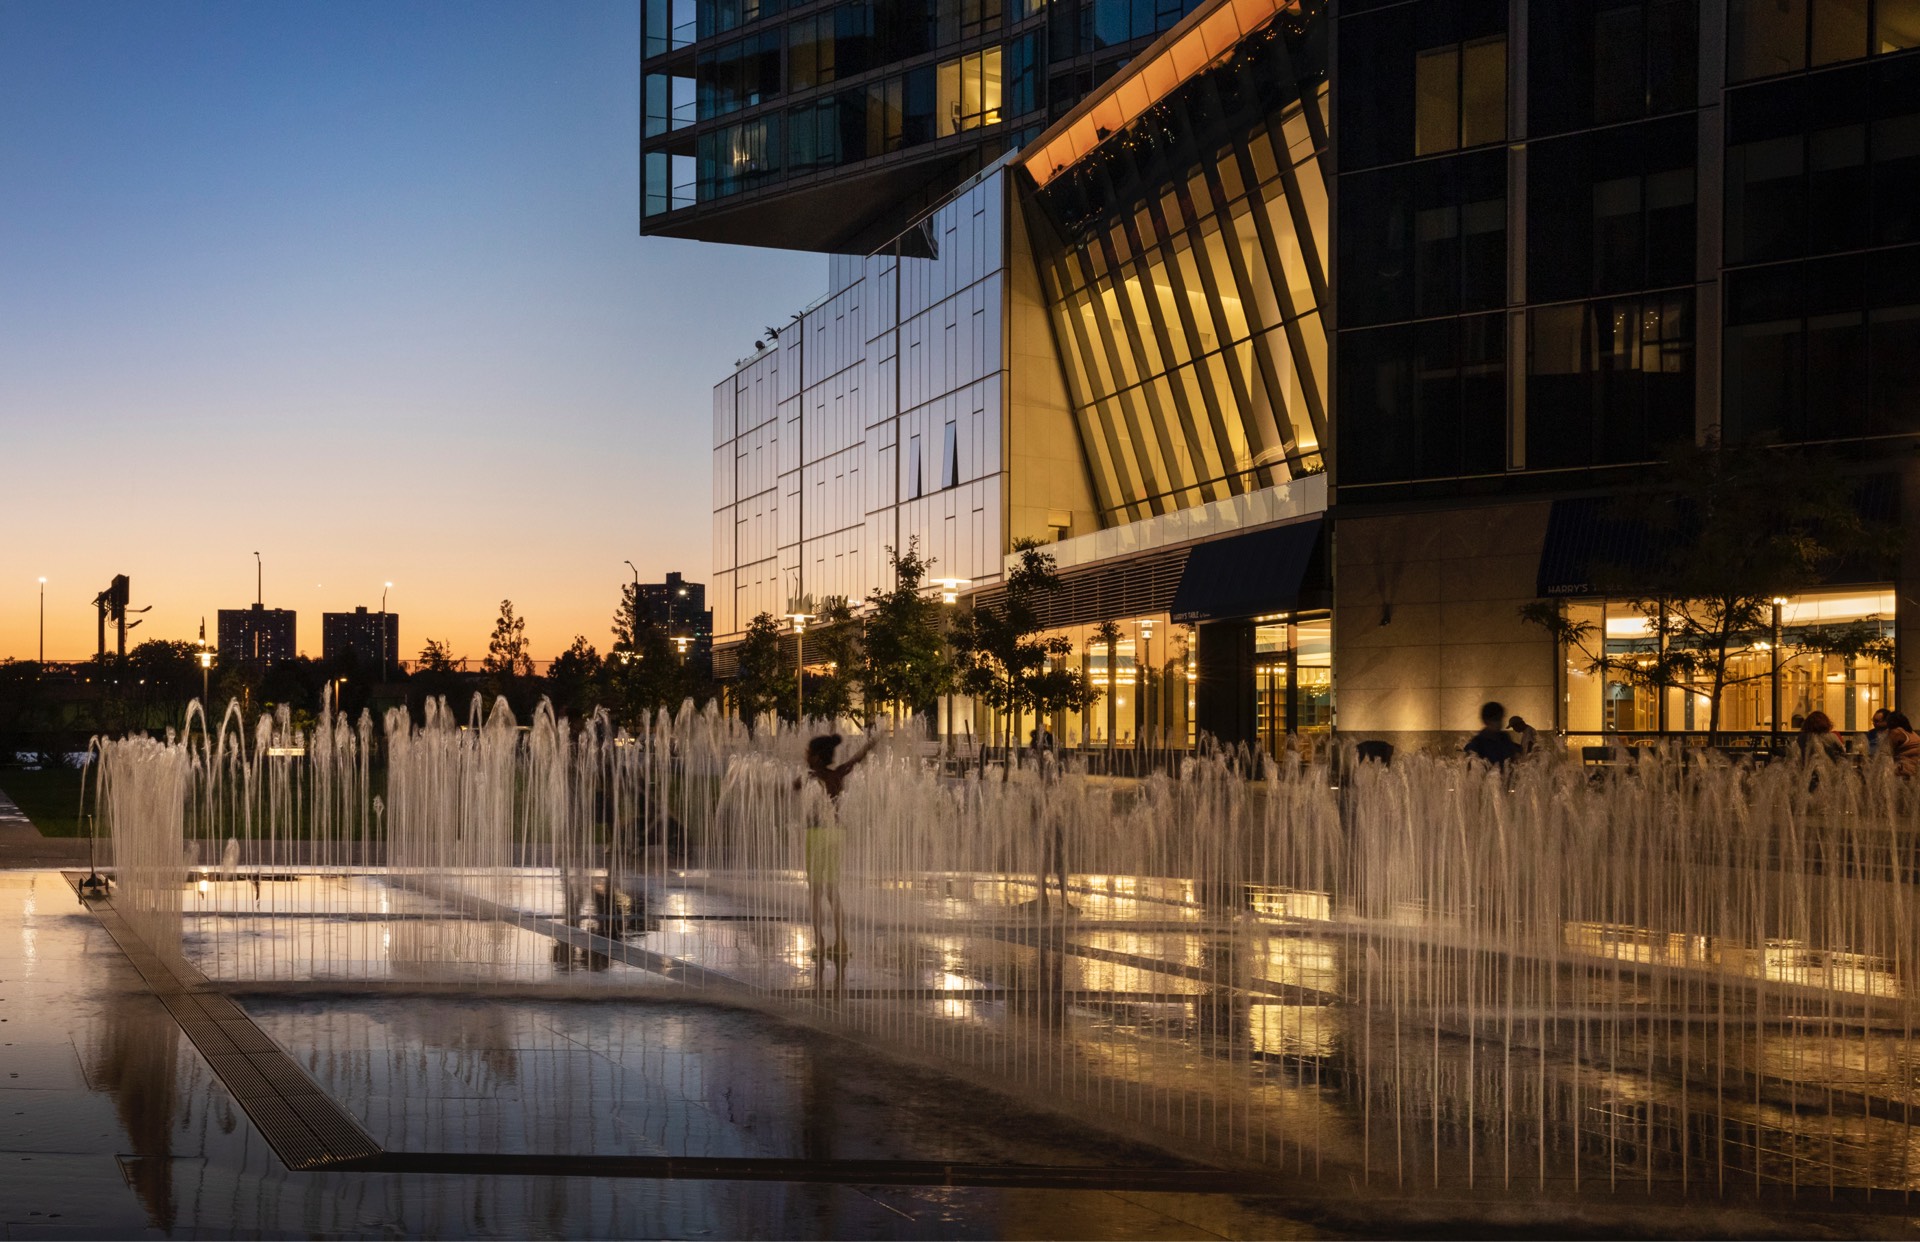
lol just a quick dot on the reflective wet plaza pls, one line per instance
(117, 1126)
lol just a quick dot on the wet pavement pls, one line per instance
(643, 1114)
(112, 1124)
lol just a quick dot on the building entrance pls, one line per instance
(1293, 680)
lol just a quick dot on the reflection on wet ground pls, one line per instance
(130, 1133)
(115, 1126)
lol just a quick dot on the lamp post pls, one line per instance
(800, 620)
(1779, 602)
(206, 663)
(1146, 679)
(43, 626)
(950, 599)
(384, 588)
(680, 643)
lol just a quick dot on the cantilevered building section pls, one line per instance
(833, 126)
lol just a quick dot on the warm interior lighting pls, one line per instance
(1187, 50)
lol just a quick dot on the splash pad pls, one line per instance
(1682, 978)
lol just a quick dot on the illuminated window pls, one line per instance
(1460, 95)
(969, 92)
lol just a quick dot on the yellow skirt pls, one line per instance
(823, 854)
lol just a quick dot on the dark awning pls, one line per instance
(1243, 576)
(1588, 538)
(1591, 538)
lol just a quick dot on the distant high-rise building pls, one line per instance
(257, 635)
(362, 633)
(681, 606)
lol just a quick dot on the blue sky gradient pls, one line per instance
(358, 285)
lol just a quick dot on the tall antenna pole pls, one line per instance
(259, 580)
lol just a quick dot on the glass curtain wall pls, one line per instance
(1186, 271)
(1847, 688)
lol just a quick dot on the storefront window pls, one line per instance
(1812, 675)
(1293, 680)
(1146, 694)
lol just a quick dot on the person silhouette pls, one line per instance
(825, 840)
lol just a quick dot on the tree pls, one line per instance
(765, 681)
(1732, 528)
(907, 661)
(642, 670)
(507, 650)
(836, 640)
(573, 679)
(437, 657)
(1002, 658)
(1107, 634)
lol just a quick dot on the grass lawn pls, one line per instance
(49, 797)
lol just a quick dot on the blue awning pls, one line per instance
(1243, 576)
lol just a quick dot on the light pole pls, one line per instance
(43, 625)
(950, 599)
(680, 643)
(800, 620)
(1779, 602)
(385, 587)
(1146, 680)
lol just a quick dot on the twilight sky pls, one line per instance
(357, 285)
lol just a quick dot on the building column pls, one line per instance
(1223, 691)
(1906, 598)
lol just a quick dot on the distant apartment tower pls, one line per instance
(681, 606)
(257, 635)
(362, 634)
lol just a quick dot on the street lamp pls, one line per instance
(681, 642)
(43, 626)
(1773, 648)
(800, 620)
(385, 587)
(1146, 677)
(950, 595)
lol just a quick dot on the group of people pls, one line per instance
(1891, 732)
(1503, 739)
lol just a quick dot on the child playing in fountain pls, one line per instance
(825, 838)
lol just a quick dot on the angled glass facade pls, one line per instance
(874, 418)
(1184, 258)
